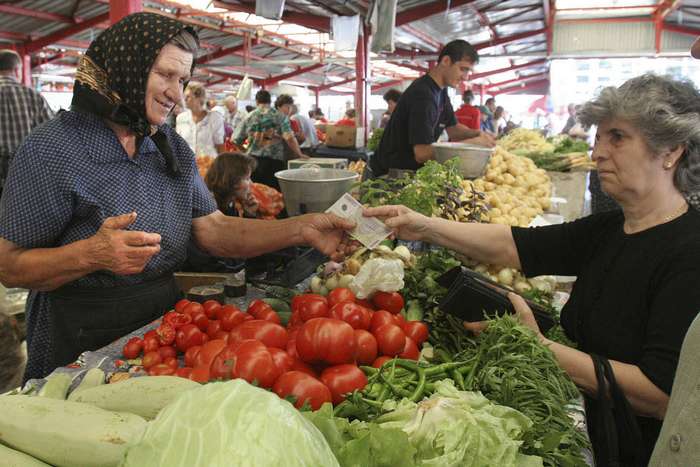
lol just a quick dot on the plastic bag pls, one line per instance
(381, 274)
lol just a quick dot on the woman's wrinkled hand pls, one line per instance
(522, 312)
(324, 231)
(405, 223)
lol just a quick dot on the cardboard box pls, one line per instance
(344, 136)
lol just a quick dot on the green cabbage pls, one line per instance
(460, 428)
(230, 424)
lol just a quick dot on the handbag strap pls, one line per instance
(607, 448)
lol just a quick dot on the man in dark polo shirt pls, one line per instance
(424, 111)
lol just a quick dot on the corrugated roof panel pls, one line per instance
(674, 42)
(578, 38)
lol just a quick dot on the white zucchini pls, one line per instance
(67, 434)
(11, 458)
(144, 396)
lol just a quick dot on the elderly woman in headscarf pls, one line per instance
(637, 268)
(101, 201)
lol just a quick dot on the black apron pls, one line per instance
(88, 319)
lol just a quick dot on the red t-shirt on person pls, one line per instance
(469, 116)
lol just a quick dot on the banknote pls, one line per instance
(369, 231)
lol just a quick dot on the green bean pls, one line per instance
(420, 387)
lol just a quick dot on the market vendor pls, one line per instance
(101, 201)
(424, 111)
(637, 268)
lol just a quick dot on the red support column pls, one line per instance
(361, 72)
(26, 69)
(317, 95)
(121, 8)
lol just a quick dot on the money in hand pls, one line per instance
(369, 231)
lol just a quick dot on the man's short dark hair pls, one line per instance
(459, 50)
(283, 99)
(263, 97)
(392, 95)
(468, 97)
(490, 100)
(9, 60)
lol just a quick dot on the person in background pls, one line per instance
(469, 115)
(637, 268)
(172, 116)
(101, 201)
(487, 111)
(571, 121)
(307, 128)
(13, 358)
(212, 105)
(679, 441)
(424, 112)
(284, 105)
(391, 97)
(348, 119)
(249, 108)
(267, 131)
(233, 116)
(228, 180)
(499, 120)
(21, 109)
(202, 129)
(320, 124)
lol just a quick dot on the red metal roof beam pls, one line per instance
(507, 39)
(387, 84)
(35, 45)
(276, 79)
(220, 53)
(320, 23)
(515, 15)
(519, 79)
(510, 68)
(19, 11)
(423, 11)
(529, 85)
(323, 87)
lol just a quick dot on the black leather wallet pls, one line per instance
(471, 296)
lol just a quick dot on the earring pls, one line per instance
(668, 165)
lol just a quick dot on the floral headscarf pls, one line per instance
(112, 75)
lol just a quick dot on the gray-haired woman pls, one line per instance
(637, 268)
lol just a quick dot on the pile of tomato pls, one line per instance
(312, 361)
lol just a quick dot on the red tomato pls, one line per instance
(282, 359)
(416, 330)
(410, 350)
(342, 379)
(269, 314)
(180, 305)
(230, 317)
(355, 315)
(222, 335)
(161, 369)
(223, 363)
(194, 307)
(213, 327)
(189, 335)
(270, 334)
(211, 308)
(326, 340)
(311, 308)
(151, 333)
(133, 348)
(176, 320)
(379, 362)
(207, 353)
(304, 388)
(184, 372)
(150, 359)
(200, 375)
(299, 299)
(166, 334)
(340, 294)
(255, 306)
(400, 320)
(365, 347)
(253, 362)
(150, 344)
(200, 319)
(365, 303)
(298, 365)
(191, 355)
(380, 318)
(292, 345)
(390, 339)
(389, 301)
(171, 362)
(167, 351)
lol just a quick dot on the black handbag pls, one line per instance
(613, 427)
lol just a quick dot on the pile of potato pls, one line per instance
(516, 190)
(525, 140)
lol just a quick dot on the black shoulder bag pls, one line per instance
(615, 433)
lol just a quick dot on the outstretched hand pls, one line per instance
(522, 312)
(404, 222)
(324, 231)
